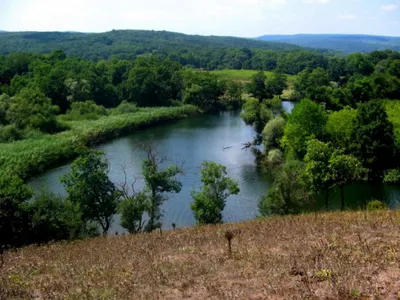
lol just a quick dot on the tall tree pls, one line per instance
(307, 121)
(258, 87)
(89, 185)
(344, 168)
(373, 139)
(288, 195)
(317, 173)
(256, 113)
(158, 182)
(217, 186)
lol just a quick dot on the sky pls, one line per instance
(243, 18)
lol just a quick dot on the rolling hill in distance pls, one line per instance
(124, 42)
(346, 43)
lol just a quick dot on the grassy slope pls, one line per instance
(350, 255)
(244, 76)
(31, 156)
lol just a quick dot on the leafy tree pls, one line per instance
(361, 88)
(318, 77)
(256, 113)
(339, 127)
(54, 218)
(77, 89)
(275, 157)
(89, 185)
(336, 68)
(154, 82)
(273, 133)
(157, 183)
(358, 63)
(307, 121)
(258, 88)
(5, 102)
(344, 168)
(202, 89)
(373, 139)
(217, 186)
(32, 109)
(132, 209)
(317, 173)
(301, 84)
(275, 84)
(287, 195)
(233, 95)
(14, 220)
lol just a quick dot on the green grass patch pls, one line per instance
(31, 156)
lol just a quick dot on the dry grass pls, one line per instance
(352, 255)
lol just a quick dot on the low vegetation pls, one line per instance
(348, 255)
(32, 155)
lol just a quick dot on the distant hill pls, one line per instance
(124, 43)
(346, 43)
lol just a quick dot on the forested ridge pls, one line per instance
(207, 52)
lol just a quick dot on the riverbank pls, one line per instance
(341, 255)
(34, 155)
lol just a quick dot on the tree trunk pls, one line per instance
(326, 199)
(342, 196)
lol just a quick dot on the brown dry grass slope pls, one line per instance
(351, 255)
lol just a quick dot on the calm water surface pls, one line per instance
(215, 137)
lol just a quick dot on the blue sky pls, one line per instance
(246, 18)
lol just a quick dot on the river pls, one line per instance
(188, 142)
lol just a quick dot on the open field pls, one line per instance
(244, 76)
(350, 255)
(31, 156)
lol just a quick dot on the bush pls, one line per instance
(376, 205)
(392, 176)
(275, 157)
(54, 218)
(87, 110)
(273, 133)
(125, 108)
(10, 133)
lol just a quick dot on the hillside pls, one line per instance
(123, 43)
(351, 255)
(338, 42)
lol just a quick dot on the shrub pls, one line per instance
(54, 218)
(125, 108)
(10, 133)
(392, 176)
(87, 110)
(273, 133)
(376, 205)
(275, 157)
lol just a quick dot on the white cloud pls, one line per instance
(316, 1)
(389, 7)
(346, 17)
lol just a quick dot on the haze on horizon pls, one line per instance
(244, 18)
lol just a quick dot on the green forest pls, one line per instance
(344, 127)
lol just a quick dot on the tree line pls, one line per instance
(35, 89)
